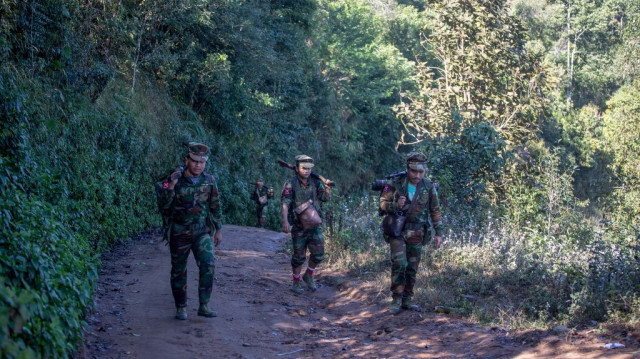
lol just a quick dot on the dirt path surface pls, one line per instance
(260, 318)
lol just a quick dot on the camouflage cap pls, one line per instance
(260, 180)
(417, 161)
(198, 151)
(306, 161)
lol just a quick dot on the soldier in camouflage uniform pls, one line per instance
(193, 203)
(407, 249)
(261, 192)
(297, 191)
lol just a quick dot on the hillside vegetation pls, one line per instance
(528, 112)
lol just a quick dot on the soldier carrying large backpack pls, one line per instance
(410, 203)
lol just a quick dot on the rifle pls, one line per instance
(326, 182)
(171, 176)
(379, 185)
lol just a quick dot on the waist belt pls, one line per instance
(413, 226)
(189, 227)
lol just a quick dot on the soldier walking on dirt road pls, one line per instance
(260, 196)
(416, 197)
(192, 199)
(300, 207)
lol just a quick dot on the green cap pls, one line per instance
(417, 161)
(198, 151)
(305, 161)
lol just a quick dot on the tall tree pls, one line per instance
(365, 72)
(485, 75)
(579, 37)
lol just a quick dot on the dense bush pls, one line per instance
(47, 272)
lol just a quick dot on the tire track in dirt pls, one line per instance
(258, 317)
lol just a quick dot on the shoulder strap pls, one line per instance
(415, 197)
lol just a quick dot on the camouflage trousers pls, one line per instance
(405, 259)
(261, 211)
(185, 239)
(311, 239)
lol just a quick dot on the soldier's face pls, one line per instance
(303, 172)
(194, 168)
(414, 176)
(260, 184)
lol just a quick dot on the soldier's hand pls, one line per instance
(217, 238)
(401, 201)
(174, 178)
(285, 227)
(437, 241)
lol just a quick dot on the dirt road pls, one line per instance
(260, 318)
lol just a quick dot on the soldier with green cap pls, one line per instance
(303, 190)
(191, 198)
(260, 196)
(398, 196)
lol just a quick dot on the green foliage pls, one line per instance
(627, 56)
(582, 132)
(76, 179)
(352, 229)
(97, 97)
(582, 39)
(484, 74)
(407, 29)
(621, 128)
(366, 73)
(47, 273)
(486, 148)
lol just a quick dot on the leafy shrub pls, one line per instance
(43, 297)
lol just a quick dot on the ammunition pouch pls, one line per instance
(308, 215)
(413, 236)
(393, 224)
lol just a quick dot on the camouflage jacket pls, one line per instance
(193, 203)
(296, 193)
(257, 193)
(425, 211)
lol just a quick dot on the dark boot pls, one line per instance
(308, 279)
(408, 304)
(296, 287)
(204, 311)
(394, 307)
(181, 313)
